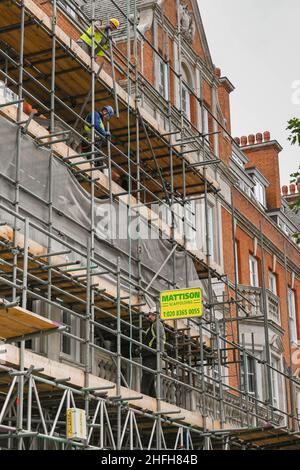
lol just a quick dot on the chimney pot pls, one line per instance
(285, 190)
(298, 187)
(244, 140)
(292, 188)
(251, 139)
(267, 136)
(259, 137)
(237, 140)
(218, 72)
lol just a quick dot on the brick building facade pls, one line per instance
(222, 223)
(251, 228)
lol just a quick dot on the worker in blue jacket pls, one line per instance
(100, 119)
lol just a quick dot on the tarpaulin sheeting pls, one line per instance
(71, 214)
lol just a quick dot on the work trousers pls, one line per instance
(85, 148)
(88, 48)
(148, 378)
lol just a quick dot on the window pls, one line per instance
(236, 254)
(210, 223)
(260, 192)
(186, 106)
(272, 283)
(254, 281)
(69, 346)
(292, 315)
(163, 79)
(249, 364)
(167, 213)
(66, 341)
(186, 96)
(205, 126)
(275, 379)
(190, 213)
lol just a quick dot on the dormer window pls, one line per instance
(260, 184)
(260, 192)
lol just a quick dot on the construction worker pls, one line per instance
(100, 119)
(101, 35)
(150, 357)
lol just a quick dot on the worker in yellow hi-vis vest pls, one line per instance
(101, 35)
(156, 328)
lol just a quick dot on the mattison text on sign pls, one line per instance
(184, 303)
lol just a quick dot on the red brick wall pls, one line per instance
(62, 21)
(245, 242)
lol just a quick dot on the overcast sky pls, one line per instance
(256, 44)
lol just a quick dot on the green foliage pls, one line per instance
(294, 138)
(294, 127)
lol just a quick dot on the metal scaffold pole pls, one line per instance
(90, 292)
(20, 396)
(269, 400)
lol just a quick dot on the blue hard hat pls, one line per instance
(110, 111)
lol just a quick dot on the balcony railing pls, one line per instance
(252, 303)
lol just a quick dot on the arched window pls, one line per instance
(186, 95)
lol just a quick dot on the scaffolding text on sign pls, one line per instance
(185, 303)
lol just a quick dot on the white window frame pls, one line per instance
(253, 265)
(74, 329)
(205, 124)
(236, 251)
(292, 315)
(211, 226)
(251, 371)
(260, 192)
(275, 378)
(186, 102)
(163, 87)
(190, 225)
(273, 283)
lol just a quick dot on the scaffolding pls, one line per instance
(198, 406)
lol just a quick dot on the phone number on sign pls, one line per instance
(190, 311)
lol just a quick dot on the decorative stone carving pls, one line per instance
(187, 23)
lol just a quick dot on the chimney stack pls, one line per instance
(291, 194)
(263, 153)
(223, 90)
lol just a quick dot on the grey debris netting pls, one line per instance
(72, 211)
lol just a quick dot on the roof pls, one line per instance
(105, 9)
(293, 217)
